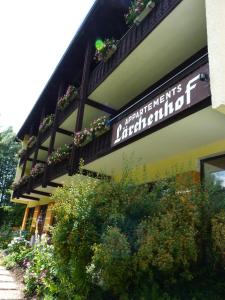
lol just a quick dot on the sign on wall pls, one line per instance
(186, 93)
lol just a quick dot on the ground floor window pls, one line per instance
(214, 168)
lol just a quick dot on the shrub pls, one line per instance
(40, 275)
(18, 250)
(10, 218)
(6, 235)
(120, 240)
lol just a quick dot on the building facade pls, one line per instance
(162, 93)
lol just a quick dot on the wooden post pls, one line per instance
(48, 218)
(53, 135)
(34, 220)
(36, 151)
(26, 155)
(24, 165)
(26, 214)
(74, 160)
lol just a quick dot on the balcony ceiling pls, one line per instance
(175, 39)
(188, 134)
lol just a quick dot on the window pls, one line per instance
(214, 168)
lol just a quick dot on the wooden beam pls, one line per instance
(24, 165)
(74, 159)
(66, 132)
(94, 174)
(37, 161)
(54, 184)
(30, 198)
(41, 193)
(43, 148)
(36, 150)
(100, 106)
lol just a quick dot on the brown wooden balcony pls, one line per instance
(134, 36)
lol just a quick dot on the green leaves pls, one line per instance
(120, 240)
(8, 162)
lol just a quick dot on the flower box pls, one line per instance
(82, 138)
(65, 100)
(46, 123)
(138, 10)
(110, 53)
(59, 155)
(99, 126)
(109, 47)
(23, 180)
(149, 7)
(37, 170)
(22, 152)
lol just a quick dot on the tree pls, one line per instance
(8, 162)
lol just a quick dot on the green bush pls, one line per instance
(18, 250)
(12, 215)
(6, 235)
(40, 276)
(10, 218)
(119, 240)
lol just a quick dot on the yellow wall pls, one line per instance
(184, 162)
(215, 11)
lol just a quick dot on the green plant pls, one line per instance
(66, 99)
(6, 235)
(18, 250)
(41, 273)
(60, 154)
(119, 240)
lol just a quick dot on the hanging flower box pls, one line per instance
(22, 152)
(32, 140)
(37, 170)
(108, 48)
(65, 100)
(83, 137)
(59, 155)
(46, 123)
(138, 11)
(99, 126)
(23, 180)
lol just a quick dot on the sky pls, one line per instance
(34, 36)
